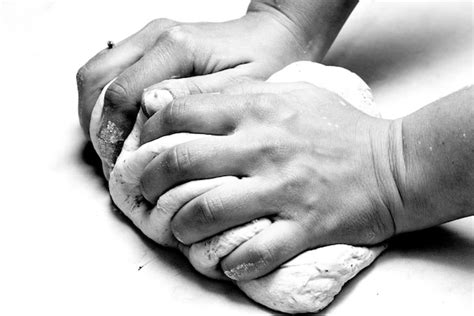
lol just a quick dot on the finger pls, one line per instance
(217, 114)
(211, 157)
(214, 114)
(157, 96)
(266, 251)
(170, 57)
(208, 114)
(156, 225)
(223, 207)
(92, 77)
(93, 129)
(205, 255)
(109, 63)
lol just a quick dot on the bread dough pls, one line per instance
(308, 282)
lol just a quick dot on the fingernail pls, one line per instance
(177, 235)
(231, 274)
(240, 271)
(154, 100)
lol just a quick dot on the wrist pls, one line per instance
(413, 177)
(437, 181)
(314, 24)
(388, 166)
(396, 162)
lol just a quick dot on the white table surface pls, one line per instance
(65, 251)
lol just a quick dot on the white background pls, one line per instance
(65, 251)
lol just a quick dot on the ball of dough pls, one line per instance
(306, 283)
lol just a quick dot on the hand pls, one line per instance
(317, 167)
(212, 55)
(204, 57)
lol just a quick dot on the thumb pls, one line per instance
(155, 97)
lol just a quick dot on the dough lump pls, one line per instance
(308, 282)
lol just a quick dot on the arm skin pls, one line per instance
(436, 174)
(188, 58)
(320, 21)
(324, 172)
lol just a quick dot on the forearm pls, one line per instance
(316, 22)
(437, 180)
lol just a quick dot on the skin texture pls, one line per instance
(304, 157)
(323, 171)
(435, 171)
(188, 58)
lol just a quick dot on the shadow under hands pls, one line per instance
(91, 159)
(174, 259)
(442, 245)
(166, 256)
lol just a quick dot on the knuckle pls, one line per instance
(193, 85)
(166, 84)
(178, 34)
(206, 210)
(294, 191)
(269, 147)
(286, 116)
(171, 114)
(178, 87)
(178, 161)
(160, 23)
(262, 255)
(167, 118)
(272, 146)
(84, 76)
(263, 105)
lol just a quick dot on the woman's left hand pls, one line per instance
(317, 167)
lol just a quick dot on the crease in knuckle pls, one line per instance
(170, 114)
(205, 210)
(178, 161)
(262, 106)
(177, 87)
(262, 256)
(193, 85)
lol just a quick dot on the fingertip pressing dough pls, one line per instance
(308, 282)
